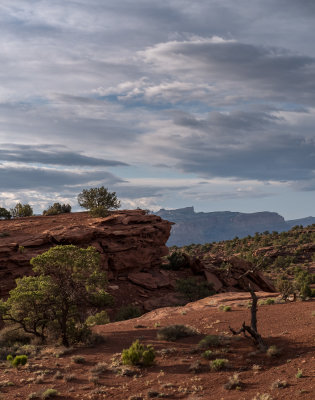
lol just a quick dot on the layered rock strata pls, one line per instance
(128, 241)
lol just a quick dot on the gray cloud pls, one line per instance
(206, 89)
(253, 70)
(13, 178)
(52, 156)
(242, 145)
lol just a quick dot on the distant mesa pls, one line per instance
(205, 227)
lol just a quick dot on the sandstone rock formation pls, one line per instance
(128, 241)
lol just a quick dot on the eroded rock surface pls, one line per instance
(128, 241)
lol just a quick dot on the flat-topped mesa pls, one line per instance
(128, 241)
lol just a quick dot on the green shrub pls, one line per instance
(57, 208)
(207, 354)
(193, 290)
(127, 312)
(4, 214)
(138, 354)
(100, 318)
(17, 361)
(224, 308)
(174, 332)
(299, 374)
(266, 302)
(177, 260)
(78, 359)
(303, 280)
(209, 341)
(50, 393)
(21, 210)
(218, 364)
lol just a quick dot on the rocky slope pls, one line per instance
(202, 227)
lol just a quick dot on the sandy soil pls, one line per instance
(290, 327)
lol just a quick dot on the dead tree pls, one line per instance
(252, 330)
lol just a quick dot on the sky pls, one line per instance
(172, 103)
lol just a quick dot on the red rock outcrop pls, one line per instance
(128, 241)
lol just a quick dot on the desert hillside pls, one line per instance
(180, 369)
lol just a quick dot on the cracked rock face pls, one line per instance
(128, 241)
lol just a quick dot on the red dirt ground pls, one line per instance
(288, 326)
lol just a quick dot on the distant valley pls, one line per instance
(204, 227)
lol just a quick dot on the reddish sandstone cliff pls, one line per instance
(129, 241)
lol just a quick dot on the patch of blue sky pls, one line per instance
(155, 105)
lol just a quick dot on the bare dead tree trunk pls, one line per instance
(252, 330)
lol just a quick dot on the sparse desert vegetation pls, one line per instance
(177, 352)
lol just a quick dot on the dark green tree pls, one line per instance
(29, 305)
(22, 210)
(57, 208)
(70, 281)
(4, 213)
(99, 201)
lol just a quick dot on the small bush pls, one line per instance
(176, 260)
(127, 312)
(99, 368)
(58, 375)
(207, 354)
(233, 383)
(267, 302)
(278, 384)
(262, 396)
(78, 359)
(299, 374)
(175, 332)
(33, 395)
(274, 351)
(224, 308)
(193, 290)
(138, 354)
(50, 393)
(17, 361)
(100, 318)
(57, 208)
(218, 364)
(94, 339)
(209, 341)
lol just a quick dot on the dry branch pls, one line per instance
(252, 330)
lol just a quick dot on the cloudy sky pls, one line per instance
(169, 103)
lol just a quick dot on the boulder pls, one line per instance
(143, 279)
(214, 280)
